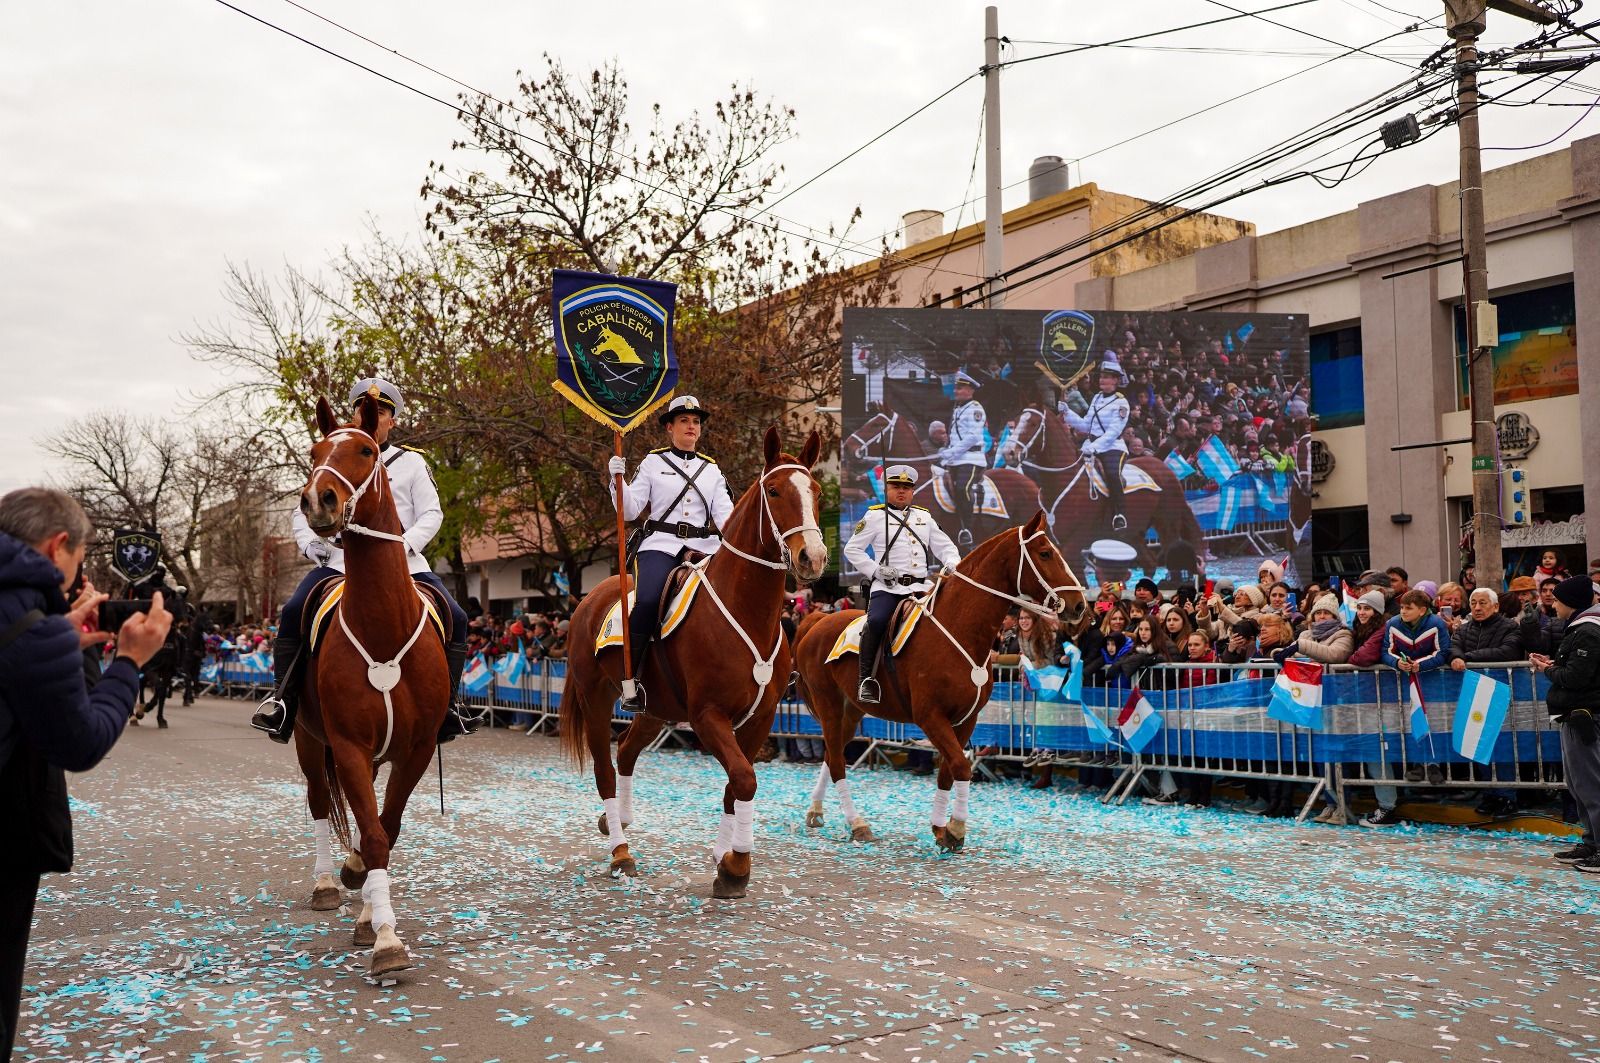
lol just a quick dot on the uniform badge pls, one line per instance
(135, 554)
(615, 357)
(1066, 349)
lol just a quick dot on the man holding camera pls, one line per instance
(49, 721)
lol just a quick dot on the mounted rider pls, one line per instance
(688, 501)
(901, 537)
(1104, 424)
(416, 500)
(965, 454)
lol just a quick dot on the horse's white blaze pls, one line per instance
(815, 548)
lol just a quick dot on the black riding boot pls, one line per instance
(1111, 472)
(867, 692)
(462, 719)
(276, 714)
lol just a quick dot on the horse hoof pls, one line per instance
(389, 959)
(133, 721)
(353, 877)
(862, 832)
(365, 936)
(625, 867)
(326, 899)
(813, 818)
(952, 836)
(161, 724)
(604, 828)
(729, 887)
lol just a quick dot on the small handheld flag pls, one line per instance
(1297, 695)
(475, 679)
(1180, 467)
(1098, 731)
(1418, 715)
(1138, 721)
(510, 667)
(1216, 462)
(1480, 716)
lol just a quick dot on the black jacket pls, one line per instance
(1496, 639)
(49, 721)
(1575, 676)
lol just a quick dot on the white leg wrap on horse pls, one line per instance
(841, 790)
(958, 799)
(355, 837)
(941, 807)
(375, 891)
(324, 833)
(614, 835)
(744, 826)
(819, 791)
(724, 838)
(625, 798)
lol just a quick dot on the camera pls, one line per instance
(113, 614)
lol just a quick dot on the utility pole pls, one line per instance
(993, 223)
(1465, 20)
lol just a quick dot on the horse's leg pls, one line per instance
(160, 692)
(641, 731)
(597, 732)
(959, 771)
(827, 705)
(844, 727)
(355, 773)
(715, 732)
(325, 894)
(388, 951)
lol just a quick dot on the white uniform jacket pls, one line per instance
(966, 430)
(1103, 424)
(900, 541)
(416, 500)
(661, 479)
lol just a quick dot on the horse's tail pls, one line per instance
(338, 814)
(574, 736)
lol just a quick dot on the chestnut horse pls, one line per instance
(926, 684)
(1043, 447)
(722, 670)
(378, 687)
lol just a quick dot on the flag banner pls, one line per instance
(1418, 714)
(1480, 715)
(614, 345)
(1216, 462)
(476, 677)
(1347, 608)
(1138, 721)
(1056, 682)
(210, 671)
(1097, 729)
(1180, 468)
(510, 667)
(1297, 695)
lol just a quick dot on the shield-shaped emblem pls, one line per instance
(616, 335)
(1066, 350)
(135, 554)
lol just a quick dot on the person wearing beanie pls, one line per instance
(1247, 603)
(1574, 703)
(1368, 630)
(1326, 639)
(1428, 587)
(1269, 572)
(1146, 591)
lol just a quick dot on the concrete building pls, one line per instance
(1382, 285)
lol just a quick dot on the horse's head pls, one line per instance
(1025, 437)
(791, 499)
(344, 466)
(1044, 575)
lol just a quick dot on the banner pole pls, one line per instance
(622, 570)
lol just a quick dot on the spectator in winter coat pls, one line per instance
(1574, 702)
(1326, 639)
(1367, 635)
(1241, 642)
(1247, 603)
(1416, 641)
(1550, 570)
(1486, 635)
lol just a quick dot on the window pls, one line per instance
(1538, 353)
(1336, 390)
(1339, 542)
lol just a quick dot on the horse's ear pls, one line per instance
(367, 414)
(812, 450)
(1036, 523)
(773, 447)
(326, 422)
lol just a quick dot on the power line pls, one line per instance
(1304, 33)
(1073, 50)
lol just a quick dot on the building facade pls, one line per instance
(1383, 287)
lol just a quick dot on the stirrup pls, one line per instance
(964, 538)
(269, 717)
(1119, 522)
(867, 693)
(635, 703)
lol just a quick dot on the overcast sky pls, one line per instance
(145, 144)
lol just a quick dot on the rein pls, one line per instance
(1024, 448)
(356, 493)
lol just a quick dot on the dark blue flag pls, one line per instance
(614, 352)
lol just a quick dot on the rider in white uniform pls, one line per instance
(900, 537)
(1104, 424)
(416, 502)
(964, 457)
(688, 502)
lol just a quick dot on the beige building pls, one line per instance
(1382, 285)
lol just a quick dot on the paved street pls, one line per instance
(1066, 931)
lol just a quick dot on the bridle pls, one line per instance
(356, 493)
(863, 442)
(1023, 448)
(771, 523)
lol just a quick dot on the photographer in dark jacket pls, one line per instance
(48, 719)
(1574, 701)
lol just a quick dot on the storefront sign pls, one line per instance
(1517, 434)
(1322, 462)
(1550, 533)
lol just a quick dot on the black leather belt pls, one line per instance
(682, 529)
(906, 581)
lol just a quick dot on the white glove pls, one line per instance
(947, 570)
(617, 466)
(319, 553)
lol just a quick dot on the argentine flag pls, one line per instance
(210, 672)
(1180, 468)
(1098, 731)
(1138, 721)
(510, 667)
(1216, 462)
(1480, 716)
(1056, 682)
(476, 677)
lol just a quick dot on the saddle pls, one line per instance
(902, 622)
(677, 595)
(990, 503)
(322, 604)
